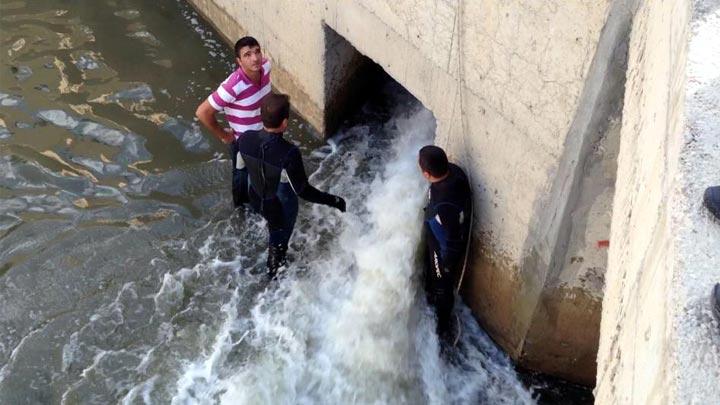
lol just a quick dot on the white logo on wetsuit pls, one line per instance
(437, 265)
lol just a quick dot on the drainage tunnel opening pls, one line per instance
(356, 87)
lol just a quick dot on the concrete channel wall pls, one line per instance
(508, 84)
(659, 343)
(528, 97)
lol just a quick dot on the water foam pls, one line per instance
(349, 322)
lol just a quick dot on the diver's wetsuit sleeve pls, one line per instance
(452, 251)
(299, 182)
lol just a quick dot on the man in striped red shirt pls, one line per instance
(239, 97)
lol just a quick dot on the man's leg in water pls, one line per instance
(289, 201)
(271, 211)
(439, 290)
(239, 179)
(282, 229)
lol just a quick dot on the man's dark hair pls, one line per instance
(243, 42)
(274, 109)
(433, 160)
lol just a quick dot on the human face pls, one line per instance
(250, 58)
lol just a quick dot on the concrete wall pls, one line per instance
(659, 342)
(527, 97)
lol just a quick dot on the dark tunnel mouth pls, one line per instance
(352, 82)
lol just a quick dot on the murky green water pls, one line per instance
(105, 177)
(96, 99)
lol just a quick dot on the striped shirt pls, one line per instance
(239, 98)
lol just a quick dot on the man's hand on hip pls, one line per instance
(206, 115)
(228, 136)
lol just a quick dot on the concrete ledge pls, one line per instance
(659, 342)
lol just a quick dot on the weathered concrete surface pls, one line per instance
(659, 342)
(524, 92)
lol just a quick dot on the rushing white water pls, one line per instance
(349, 322)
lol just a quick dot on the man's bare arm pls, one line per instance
(206, 114)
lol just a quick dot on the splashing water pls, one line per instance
(348, 323)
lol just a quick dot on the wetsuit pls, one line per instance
(447, 220)
(277, 177)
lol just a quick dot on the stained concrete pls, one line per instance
(659, 342)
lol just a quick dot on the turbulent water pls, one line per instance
(125, 277)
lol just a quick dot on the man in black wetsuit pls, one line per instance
(277, 177)
(447, 221)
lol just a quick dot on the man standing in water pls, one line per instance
(277, 178)
(447, 222)
(239, 97)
